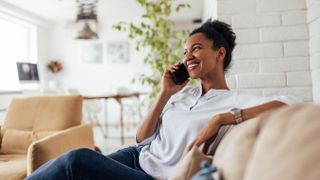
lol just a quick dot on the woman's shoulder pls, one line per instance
(186, 91)
(189, 90)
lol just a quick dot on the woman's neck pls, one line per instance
(216, 83)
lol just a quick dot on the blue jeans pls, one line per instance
(87, 164)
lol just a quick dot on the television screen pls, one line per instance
(27, 71)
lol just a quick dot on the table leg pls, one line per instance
(139, 110)
(105, 107)
(121, 121)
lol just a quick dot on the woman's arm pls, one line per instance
(149, 124)
(249, 113)
(207, 134)
(168, 88)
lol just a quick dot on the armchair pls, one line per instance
(37, 129)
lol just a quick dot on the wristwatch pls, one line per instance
(237, 114)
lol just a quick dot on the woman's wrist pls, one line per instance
(225, 119)
(165, 93)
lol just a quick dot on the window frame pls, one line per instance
(31, 49)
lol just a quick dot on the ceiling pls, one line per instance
(57, 10)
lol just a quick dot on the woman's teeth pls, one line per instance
(192, 66)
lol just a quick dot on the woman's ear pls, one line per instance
(221, 54)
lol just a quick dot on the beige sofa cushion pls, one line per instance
(280, 144)
(288, 146)
(43, 113)
(17, 142)
(235, 149)
(13, 167)
(189, 164)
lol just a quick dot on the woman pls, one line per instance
(181, 117)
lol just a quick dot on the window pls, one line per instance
(17, 44)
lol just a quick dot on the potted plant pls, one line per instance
(156, 33)
(54, 66)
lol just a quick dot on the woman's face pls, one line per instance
(200, 57)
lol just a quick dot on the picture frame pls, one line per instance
(118, 52)
(91, 53)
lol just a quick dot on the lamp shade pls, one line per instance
(87, 13)
(87, 33)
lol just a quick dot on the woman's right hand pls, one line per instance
(168, 86)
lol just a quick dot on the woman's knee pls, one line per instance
(76, 156)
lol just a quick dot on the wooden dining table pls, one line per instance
(118, 98)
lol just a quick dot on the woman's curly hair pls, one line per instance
(221, 35)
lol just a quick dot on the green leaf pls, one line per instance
(155, 32)
(168, 10)
(141, 2)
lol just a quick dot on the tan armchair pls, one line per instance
(37, 129)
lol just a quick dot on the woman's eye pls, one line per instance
(196, 48)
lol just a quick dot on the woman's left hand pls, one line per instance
(210, 130)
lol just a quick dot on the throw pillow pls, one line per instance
(189, 164)
(18, 141)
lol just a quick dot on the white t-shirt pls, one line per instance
(184, 115)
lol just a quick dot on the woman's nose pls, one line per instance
(188, 56)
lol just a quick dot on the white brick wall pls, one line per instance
(314, 27)
(299, 78)
(243, 67)
(243, 6)
(313, 19)
(259, 50)
(255, 20)
(279, 5)
(303, 93)
(313, 10)
(261, 80)
(284, 64)
(293, 17)
(316, 85)
(314, 44)
(272, 53)
(296, 48)
(315, 61)
(283, 33)
(247, 36)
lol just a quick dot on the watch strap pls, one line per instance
(237, 115)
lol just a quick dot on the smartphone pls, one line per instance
(180, 75)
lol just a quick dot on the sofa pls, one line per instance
(282, 144)
(38, 129)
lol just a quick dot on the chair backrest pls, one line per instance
(43, 113)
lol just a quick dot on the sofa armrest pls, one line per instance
(55, 145)
(0, 137)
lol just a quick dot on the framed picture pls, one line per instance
(91, 52)
(118, 52)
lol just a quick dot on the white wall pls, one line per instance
(93, 78)
(103, 78)
(43, 32)
(209, 10)
(272, 52)
(313, 19)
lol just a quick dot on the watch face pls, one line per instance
(237, 114)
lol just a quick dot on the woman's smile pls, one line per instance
(193, 64)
